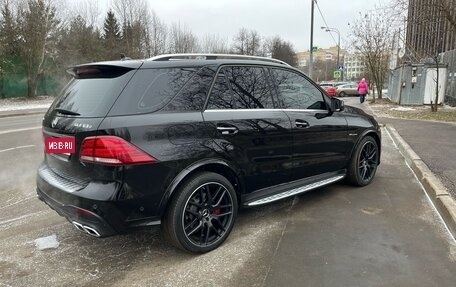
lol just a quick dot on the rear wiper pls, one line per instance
(67, 112)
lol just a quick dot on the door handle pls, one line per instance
(224, 130)
(301, 124)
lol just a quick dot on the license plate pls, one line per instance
(60, 145)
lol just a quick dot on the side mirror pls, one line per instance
(337, 105)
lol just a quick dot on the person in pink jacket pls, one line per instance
(363, 90)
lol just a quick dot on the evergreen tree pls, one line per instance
(112, 37)
(80, 43)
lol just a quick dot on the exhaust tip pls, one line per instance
(86, 229)
(91, 231)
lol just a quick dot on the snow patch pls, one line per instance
(17, 104)
(24, 107)
(48, 242)
(403, 109)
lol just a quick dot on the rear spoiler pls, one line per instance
(103, 69)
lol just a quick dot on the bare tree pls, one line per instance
(372, 36)
(158, 34)
(88, 10)
(323, 70)
(213, 43)
(247, 42)
(37, 25)
(9, 37)
(254, 43)
(134, 16)
(240, 42)
(182, 40)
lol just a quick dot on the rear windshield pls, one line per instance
(150, 90)
(92, 96)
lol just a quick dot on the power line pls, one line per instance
(324, 20)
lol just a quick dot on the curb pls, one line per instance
(434, 188)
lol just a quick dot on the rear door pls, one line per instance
(248, 128)
(78, 112)
(320, 140)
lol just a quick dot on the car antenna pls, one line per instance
(123, 57)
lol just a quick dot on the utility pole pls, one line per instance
(329, 29)
(311, 38)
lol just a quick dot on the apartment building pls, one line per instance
(429, 31)
(355, 68)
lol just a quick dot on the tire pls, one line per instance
(342, 94)
(201, 214)
(364, 162)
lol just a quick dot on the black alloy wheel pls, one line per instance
(207, 214)
(364, 162)
(367, 162)
(202, 215)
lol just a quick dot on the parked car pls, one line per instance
(186, 143)
(347, 90)
(337, 84)
(330, 89)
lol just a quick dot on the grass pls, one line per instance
(385, 108)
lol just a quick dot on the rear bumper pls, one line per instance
(93, 209)
(84, 220)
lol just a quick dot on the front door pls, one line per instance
(250, 132)
(320, 139)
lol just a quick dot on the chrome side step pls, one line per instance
(295, 191)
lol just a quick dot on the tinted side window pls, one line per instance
(193, 95)
(150, 90)
(222, 97)
(296, 91)
(241, 87)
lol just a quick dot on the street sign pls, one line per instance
(314, 49)
(337, 74)
(341, 67)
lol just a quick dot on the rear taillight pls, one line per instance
(111, 150)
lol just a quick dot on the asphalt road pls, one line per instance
(385, 234)
(433, 141)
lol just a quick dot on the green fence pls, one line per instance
(13, 79)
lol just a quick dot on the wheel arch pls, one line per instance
(372, 134)
(218, 166)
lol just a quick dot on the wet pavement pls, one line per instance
(385, 234)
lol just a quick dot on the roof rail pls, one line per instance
(202, 56)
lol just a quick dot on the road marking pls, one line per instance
(19, 130)
(15, 148)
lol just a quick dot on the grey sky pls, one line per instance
(289, 19)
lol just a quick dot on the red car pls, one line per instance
(330, 89)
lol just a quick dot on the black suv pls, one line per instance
(185, 140)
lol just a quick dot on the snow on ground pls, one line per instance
(48, 242)
(17, 104)
(403, 109)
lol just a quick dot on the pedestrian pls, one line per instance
(363, 90)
